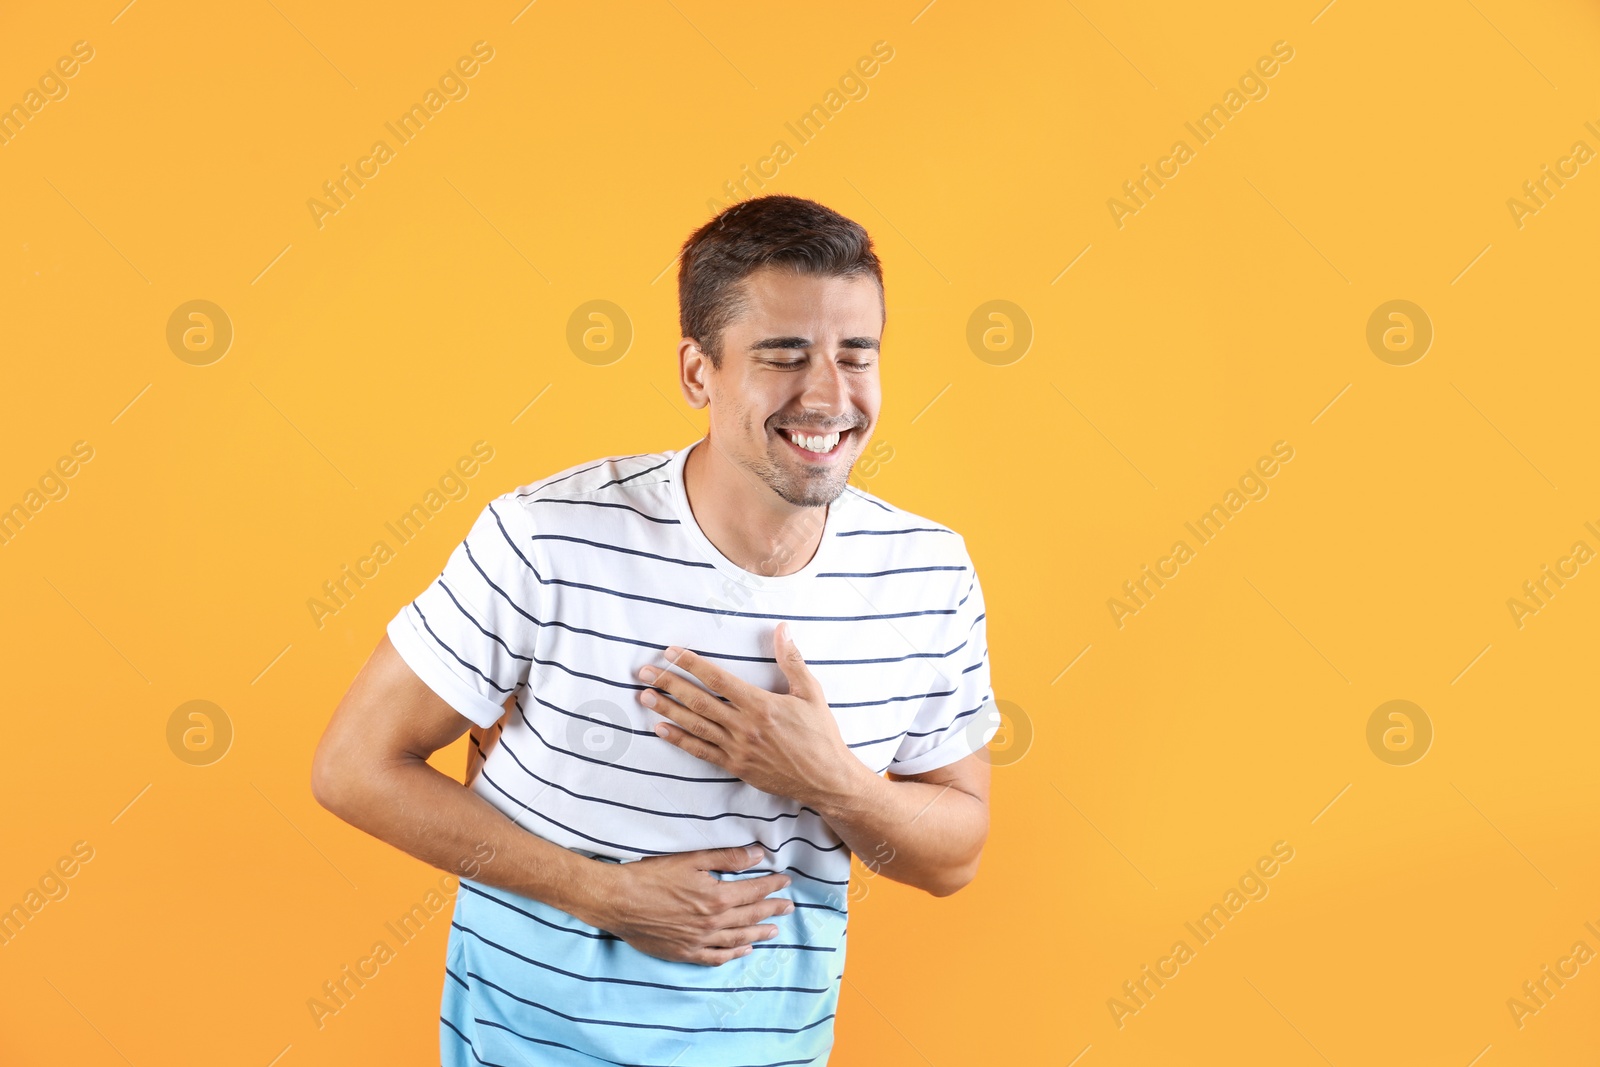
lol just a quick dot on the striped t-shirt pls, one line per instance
(535, 631)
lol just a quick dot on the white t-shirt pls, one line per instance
(559, 593)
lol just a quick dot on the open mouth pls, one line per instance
(817, 447)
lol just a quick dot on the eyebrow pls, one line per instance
(805, 342)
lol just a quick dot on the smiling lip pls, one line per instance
(817, 457)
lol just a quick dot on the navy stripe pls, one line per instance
(824, 907)
(643, 1026)
(945, 728)
(641, 733)
(707, 611)
(637, 687)
(666, 814)
(602, 762)
(890, 533)
(484, 774)
(637, 733)
(602, 504)
(894, 700)
(640, 770)
(486, 632)
(634, 981)
(595, 466)
(465, 1040)
(601, 936)
(518, 608)
(493, 684)
(794, 870)
(546, 1041)
(619, 548)
(880, 574)
(869, 499)
(631, 477)
(501, 1026)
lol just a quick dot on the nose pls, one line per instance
(825, 388)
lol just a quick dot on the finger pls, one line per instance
(716, 957)
(751, 914)
(686, 723)
(802, 683)
(733, 858)
(735, 936)
(755, 890)
(687, 695)
(691, 744)
(714, 677)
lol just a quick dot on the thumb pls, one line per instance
(802, 683)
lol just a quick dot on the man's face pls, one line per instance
(801, 360)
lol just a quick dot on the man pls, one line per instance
(624, 641)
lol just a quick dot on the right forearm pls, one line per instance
(443, 823)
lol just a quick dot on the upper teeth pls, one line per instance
(823, 443)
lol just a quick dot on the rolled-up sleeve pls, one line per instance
(470, 634)
(960, 717)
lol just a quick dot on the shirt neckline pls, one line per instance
(680, 504)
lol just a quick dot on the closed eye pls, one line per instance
(853, 364)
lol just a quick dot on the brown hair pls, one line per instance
(787, 232)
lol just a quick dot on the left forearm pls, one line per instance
(924, 835)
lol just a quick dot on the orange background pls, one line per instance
(1228, 313)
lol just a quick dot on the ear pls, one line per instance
(694, 370)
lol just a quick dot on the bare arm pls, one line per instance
(371, 769)
(926, 830)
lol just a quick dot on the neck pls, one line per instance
(755, 528)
